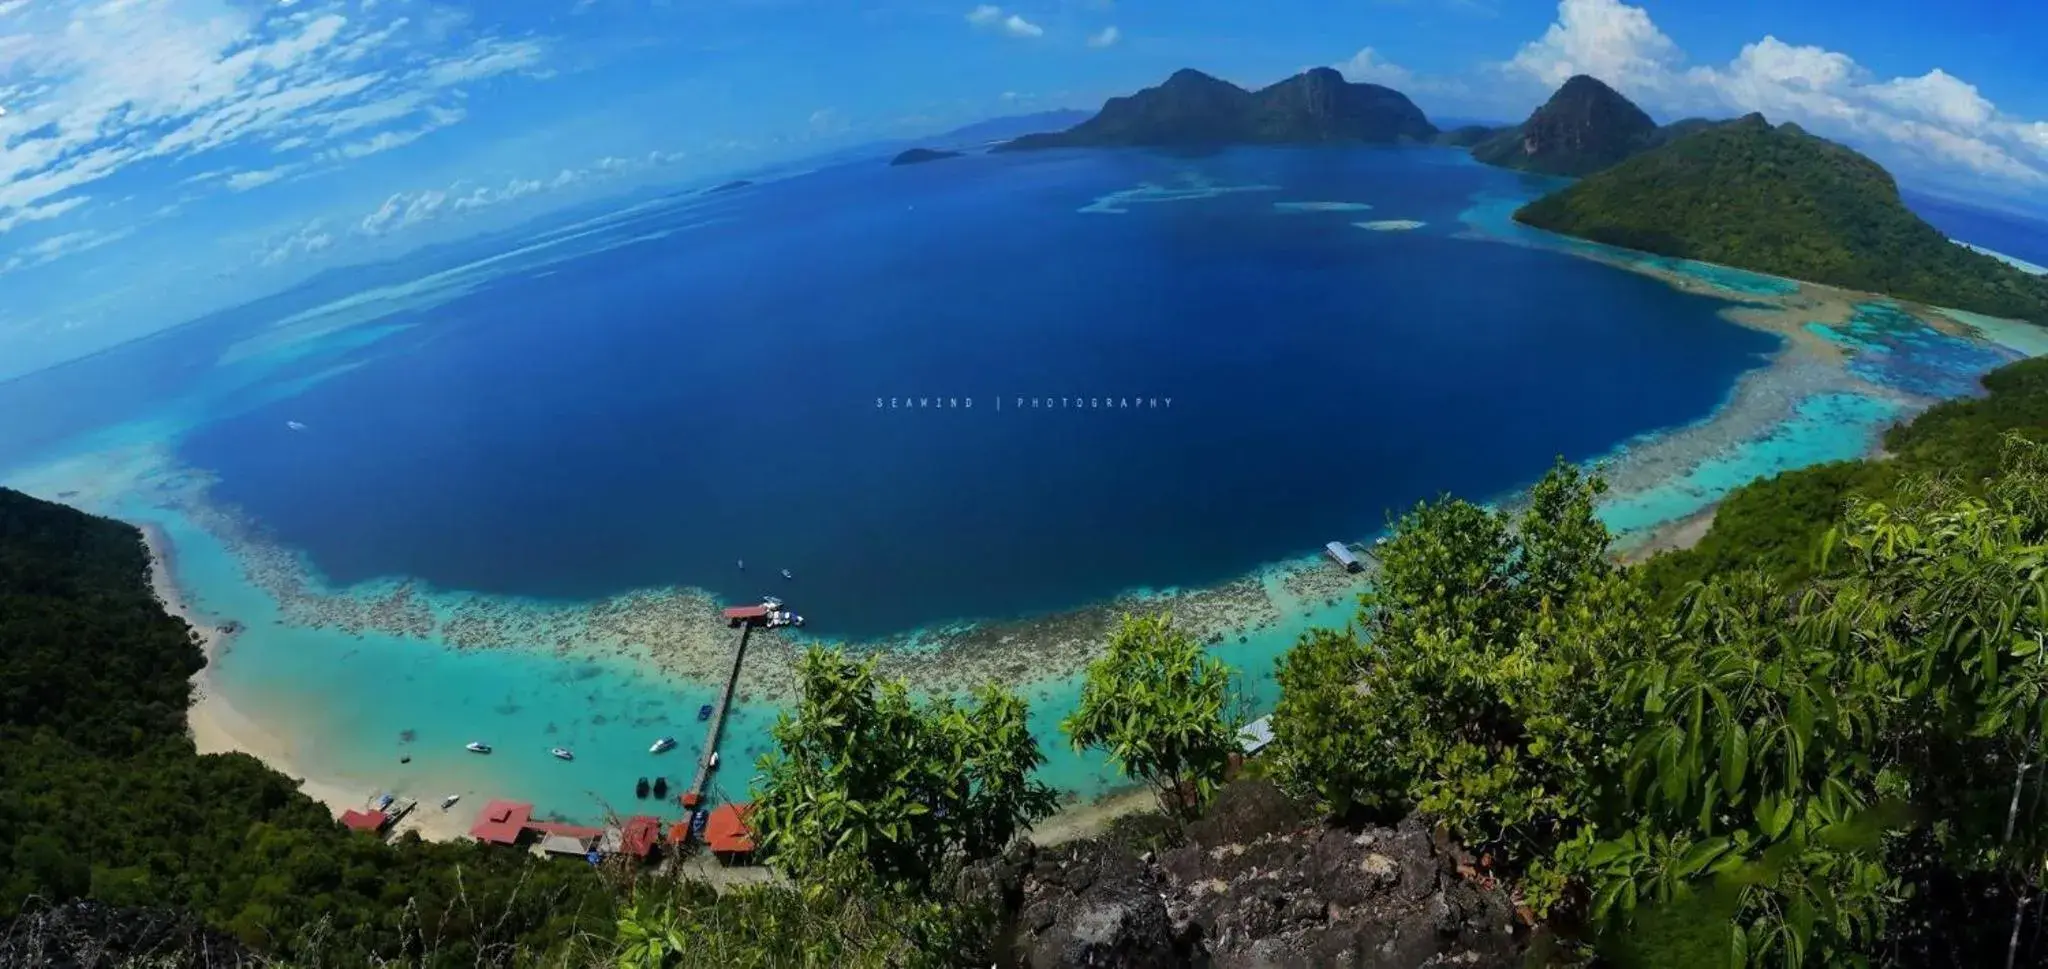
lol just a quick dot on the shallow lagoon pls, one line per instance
(494, 453)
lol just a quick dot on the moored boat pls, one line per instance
(786, 575)
(640, 789)
(477, 747)
(664, 743)
(562, 753)
(661, 787)
(449, 801)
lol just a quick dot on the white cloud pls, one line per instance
(1608, 39)
(1935, 124)
(991, 16)
(313, 237)
(38, 213)
(1369, 67)
(1107, 37)
(244, 181)
(490, 58)
(95, 87)
(59, 246)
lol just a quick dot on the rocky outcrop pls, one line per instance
(1255, 884)
(1585, 127)
(89, 935)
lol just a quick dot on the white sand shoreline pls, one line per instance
(216, 727)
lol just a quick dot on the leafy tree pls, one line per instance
(1160, 706)
(869, 783)
(1474, 692)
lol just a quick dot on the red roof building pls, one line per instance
(368, 822)
(502, 822)
(726, 832)
(641, 834)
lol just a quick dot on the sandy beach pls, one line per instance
(218, 728)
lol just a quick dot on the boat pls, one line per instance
(743, 565)
(704, 712)
(295, 425)
(640, 789)
(477, 747)
(661, 787)
(771, 602)
(664, 743)
(383, 801)
(449, 801)
(562, 753)
(786, 575)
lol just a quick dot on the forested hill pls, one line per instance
(103, 797)
(1192, 109)
(1782, 201)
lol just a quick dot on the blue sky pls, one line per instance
(164, 158)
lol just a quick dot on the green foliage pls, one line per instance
(813, 927)
(1474, 693)
(1823, 744)
(1781, 201)
(102, 795)
(868, 782)
(1161, 707)
(1773, 525)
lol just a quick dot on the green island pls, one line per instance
(1192, 109)
(1810, 739)
(1778, 200)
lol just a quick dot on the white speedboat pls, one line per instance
(295, 425)
(562, 753)
(449, 801)
(661, 745)
(477, 747)
(786, 575)
(771, 602)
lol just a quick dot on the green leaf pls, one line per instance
(1734, 759)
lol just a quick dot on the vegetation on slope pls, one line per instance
(1805, 753)
(103, 797)
(1781, 201)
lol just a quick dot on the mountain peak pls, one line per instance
(1191, 108)
(1584, 127)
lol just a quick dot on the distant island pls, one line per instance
(1584, 127)
(918, 156)
(1192, 109)
(1779, 200)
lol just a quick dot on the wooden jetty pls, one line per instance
(694, 797)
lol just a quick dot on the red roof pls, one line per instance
(727, 829)
(747, 612)
(366, 821)
(501, 822)
(641, 833)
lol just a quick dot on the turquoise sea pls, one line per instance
(980, 396)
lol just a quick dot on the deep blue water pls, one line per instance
(2006, 232)
(648, 414)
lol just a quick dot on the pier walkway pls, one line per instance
(695, 795)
